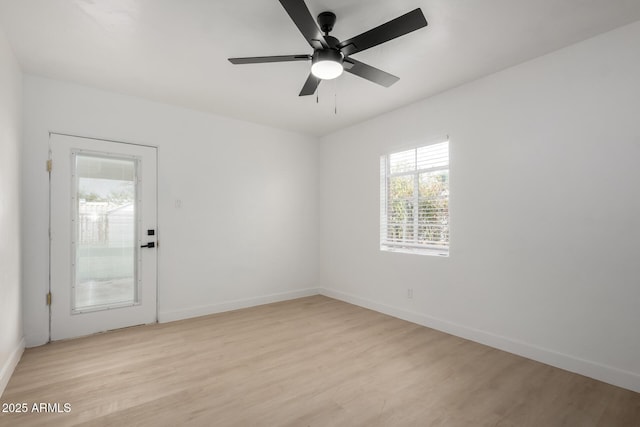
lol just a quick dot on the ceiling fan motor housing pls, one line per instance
(326, 21)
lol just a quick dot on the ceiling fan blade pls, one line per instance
(400, 26)
(370, 73)
(300, 15)
(264, 59)
(310, 85)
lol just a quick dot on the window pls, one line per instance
(414, 202)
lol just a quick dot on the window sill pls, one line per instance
(416, 251)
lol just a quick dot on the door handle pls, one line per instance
(149, 245)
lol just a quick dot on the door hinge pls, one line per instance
(49, 298)
(49, 165)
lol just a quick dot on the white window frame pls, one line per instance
(385, 175)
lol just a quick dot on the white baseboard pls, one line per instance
(172, 315)
(607, 374)
(6, 370)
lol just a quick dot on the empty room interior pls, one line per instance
(320, 213)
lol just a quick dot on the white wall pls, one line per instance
(545, 211)
(248, 227)
(11, 340)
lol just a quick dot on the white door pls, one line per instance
(103, 235)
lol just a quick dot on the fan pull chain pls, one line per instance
(335, 97)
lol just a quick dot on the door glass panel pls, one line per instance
(105, 266)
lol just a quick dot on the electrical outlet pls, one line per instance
(410, 293)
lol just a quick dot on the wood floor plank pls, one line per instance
(309, 362)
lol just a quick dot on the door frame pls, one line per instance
(157, 219)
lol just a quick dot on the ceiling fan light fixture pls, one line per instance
(327, 64)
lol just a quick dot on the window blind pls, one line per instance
(414, 199)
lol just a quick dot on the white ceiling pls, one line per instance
(175, 51)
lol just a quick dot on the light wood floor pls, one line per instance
(309, 362)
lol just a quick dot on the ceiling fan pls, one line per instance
(330, 56)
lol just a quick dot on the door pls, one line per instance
(103, 235)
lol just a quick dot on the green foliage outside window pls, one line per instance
(419, 213)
